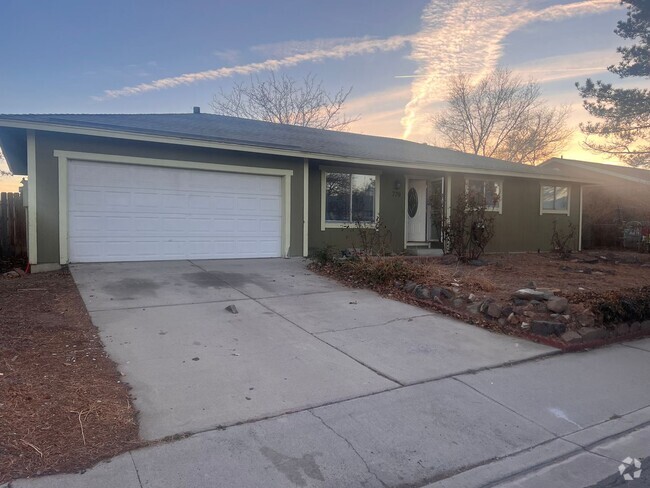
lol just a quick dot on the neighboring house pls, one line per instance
(620, 198)
(200, 186)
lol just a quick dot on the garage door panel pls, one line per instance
(120, 212)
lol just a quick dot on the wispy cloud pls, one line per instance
(291, 48)
(468, 36)
(365, 46)
(567, 66)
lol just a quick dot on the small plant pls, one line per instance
(324, 255)
(561, 241)
(469, 229)
(374, 238)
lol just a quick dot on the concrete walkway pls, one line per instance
(299, 340)
(566, 421)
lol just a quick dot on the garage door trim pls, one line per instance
(65, 156)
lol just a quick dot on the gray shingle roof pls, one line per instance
(218, 128)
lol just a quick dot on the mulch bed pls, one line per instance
(63, 406)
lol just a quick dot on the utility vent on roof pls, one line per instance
(197, 110)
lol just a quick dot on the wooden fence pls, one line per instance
(13, 228)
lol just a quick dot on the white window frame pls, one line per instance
(543, 211)
(499, 208)
(324, 171)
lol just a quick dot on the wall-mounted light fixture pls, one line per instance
(397, 185)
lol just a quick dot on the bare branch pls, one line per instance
(500, 116)
(282, 100)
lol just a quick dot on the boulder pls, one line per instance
(422, 292)
(547, 328)
(494, 310)
(446, 293)
(592, 334)
(645, 326)
(530, 294)
(571, 337)
(458, 303)
(435, 292)
(558, 304)
(474, 308)
(623, 329)
(586, 319)
(536, 306)
(410, 286)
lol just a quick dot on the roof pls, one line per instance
(268, 137)
(603, 170)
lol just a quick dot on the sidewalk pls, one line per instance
(562, 421)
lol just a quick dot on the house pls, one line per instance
(620, 197)
(201, 186)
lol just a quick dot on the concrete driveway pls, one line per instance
(299, 340)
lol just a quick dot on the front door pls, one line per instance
(416, 211)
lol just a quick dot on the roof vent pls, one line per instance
(197, 110)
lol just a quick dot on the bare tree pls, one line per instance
(3, 163)
(502, 117)
(286, 101)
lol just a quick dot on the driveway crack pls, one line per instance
(374, 475)
(137, 473)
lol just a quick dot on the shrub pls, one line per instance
(561, 242)
(468, 230)
(324, 255)
(374, 238)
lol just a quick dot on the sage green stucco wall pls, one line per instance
(520, 227)
(391, 209)
(48, 183)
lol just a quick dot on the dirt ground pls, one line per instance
(502, 274)
(62, 404)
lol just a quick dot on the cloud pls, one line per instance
(467, 36)
(365, 46)
(291, 48)
(567, 66)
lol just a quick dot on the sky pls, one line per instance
(146, 56)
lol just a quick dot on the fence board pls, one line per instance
(13, 228)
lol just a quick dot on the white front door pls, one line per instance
(416, 211)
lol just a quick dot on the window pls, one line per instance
(490, 190)
(349, 197)
(555, 199)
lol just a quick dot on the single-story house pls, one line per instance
(202, 186)
(620, 198)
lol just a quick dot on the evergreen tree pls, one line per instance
(623, 131)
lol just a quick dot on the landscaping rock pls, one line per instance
(536, 306)
(11, 275)
(494, 310)
(477, 262)
(458, 303)
(512, 319)
(410, 286)
(645, 326)
(232, 309)
(518, 302)
(571, 337)
(558, 304)
(592, 334)
(474, 308)
(445, 293)
(531, 285)
(506, 311)
(547, 328)
(502, 321)
(471, 297)
(530, 294)
(623, 329)
(435, 292)
(422, 292)
(485, 304)
(586, 319)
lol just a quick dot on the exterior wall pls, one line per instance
(48, 190)
(391, 209)
(520, 227)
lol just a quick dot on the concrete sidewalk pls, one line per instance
(565, 421)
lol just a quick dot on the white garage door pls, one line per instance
(120, 212)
